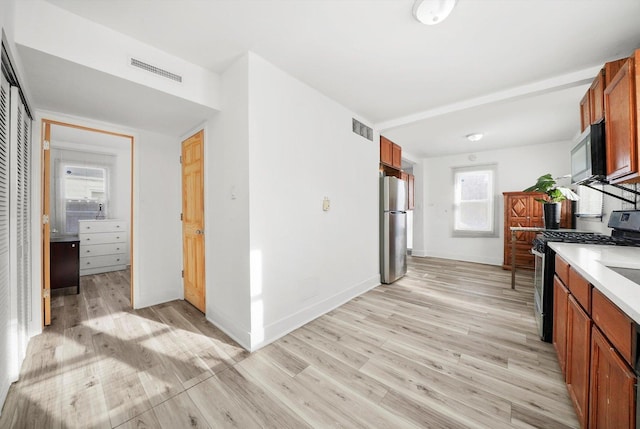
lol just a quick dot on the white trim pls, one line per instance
(225, 324)
(282, 327)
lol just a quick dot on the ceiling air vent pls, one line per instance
(361, 129)
(156, 70)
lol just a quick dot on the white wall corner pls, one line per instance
(227, 325)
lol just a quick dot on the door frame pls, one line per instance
(45, 135)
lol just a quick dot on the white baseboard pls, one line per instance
(419, 253)
(141, 302)
(464, 258)
(287, 324)
(224, 323)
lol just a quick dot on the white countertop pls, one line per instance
(591, 262)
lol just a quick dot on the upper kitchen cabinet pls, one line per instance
(390, 153)
(585, 112)
(410, 179)
(595, 95)
(620, 102)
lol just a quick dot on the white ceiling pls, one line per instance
(425, 86)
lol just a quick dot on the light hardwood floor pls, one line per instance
(448, 346)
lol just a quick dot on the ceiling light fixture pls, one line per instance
(431, 12)
(474, 137)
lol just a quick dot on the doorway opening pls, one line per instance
(87, 201)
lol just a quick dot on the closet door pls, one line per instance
(7, 371)
(20, 211)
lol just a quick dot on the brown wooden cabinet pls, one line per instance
(593, 339)
(411, 192)
(578, 357)
(390, 153)
(386, 155)
(592, 104)
(560, 305)
(620, 103)
(410, 180)
(585, 112)
(65, 263)
(596, 98)
(522, 210)
(612, 392)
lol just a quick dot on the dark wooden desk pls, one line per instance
(65, 262)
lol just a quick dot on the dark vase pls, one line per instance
(552, 215)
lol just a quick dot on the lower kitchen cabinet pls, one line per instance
(593, 339)
(560, 304)
(612, 392)
(578, 358)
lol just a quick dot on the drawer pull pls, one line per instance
(118, 260)
(117, 248)
(88, 251)
(73, 245)
(88, 263)
(117, 226)
(117, 238)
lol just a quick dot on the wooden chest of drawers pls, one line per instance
(104, 245)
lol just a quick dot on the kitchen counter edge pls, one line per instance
(592, 262)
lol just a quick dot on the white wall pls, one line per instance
(610, 204)
(275, 260)
(48, 28)
(517, 168)
(157, 238)
(305, 261)
(227, 207)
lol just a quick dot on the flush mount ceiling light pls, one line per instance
(474, 137)
(431, 12)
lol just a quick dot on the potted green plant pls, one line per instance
(555, 195)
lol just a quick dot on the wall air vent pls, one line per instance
(156, 70)
(361, 129)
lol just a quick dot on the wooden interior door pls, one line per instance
(46, 227)
(193, 220)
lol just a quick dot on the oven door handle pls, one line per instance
(536, 253)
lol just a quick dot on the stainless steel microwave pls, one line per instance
(589, 155)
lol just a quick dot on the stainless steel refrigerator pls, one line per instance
(393, 228)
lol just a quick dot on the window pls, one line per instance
(84, 194)
(474, 212)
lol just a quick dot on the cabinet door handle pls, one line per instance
(117, 260)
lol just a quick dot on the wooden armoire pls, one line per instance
(522, 210)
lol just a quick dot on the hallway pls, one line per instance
(450, 345)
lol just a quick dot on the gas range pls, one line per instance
(625, 226)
